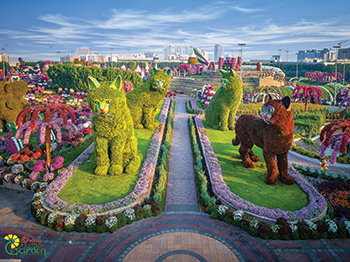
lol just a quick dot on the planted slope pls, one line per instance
(249, 184)
(84, 187)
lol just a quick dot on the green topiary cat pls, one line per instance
(144, 100)
(115, 142)
(222, 109)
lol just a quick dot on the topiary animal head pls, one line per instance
(277, 111)
(105, 98)
(230, 79)
(160, 80)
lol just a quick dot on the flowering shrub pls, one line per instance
(90, 224)
(59, 223)
(101, 224)
(69, 223)
(80, 222)
(112, 224)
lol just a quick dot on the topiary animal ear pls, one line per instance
(223, 72)
(154, 71)
(286, 102)
(168, 72)
(93, 83)
(117, 83)
(233, 72)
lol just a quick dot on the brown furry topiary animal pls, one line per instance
(273, 132)
(12, 101)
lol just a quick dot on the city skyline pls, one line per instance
(48, 31)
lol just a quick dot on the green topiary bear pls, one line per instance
(12, 101)
(144, 100)
(222, 109)
(115, 142)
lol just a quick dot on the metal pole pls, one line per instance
(111, 57)
(297, 65)
(344, 73)
(51, 53)
(279, 59)
(335, 81)
(243, 44)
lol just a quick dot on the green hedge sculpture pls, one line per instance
(115, 141)
(12, 101)
(144, 100)
(221, 112)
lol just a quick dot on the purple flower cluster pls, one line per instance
(141, 189)
(194, 105)
(335, 144)
(317, 204)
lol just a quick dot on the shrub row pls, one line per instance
(325, 228)
(192, 111)
(161, 184)
(306, 171)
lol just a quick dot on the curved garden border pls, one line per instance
(316, 209)
(51, 202)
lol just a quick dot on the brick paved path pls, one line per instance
(181, 191)
(176, 235)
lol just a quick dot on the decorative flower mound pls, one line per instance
(317, 203)
(337, 142)
(141, 188)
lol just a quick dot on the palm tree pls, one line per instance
(55, 116)
(307, 93)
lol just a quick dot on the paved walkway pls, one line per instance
(181, 191)
(179, 234)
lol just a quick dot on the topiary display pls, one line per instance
(12, 101)
(115, 141)
(144, 100)
(273, 132)
(221, 112)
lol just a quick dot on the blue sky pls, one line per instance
(30, 28)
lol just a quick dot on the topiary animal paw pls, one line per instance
(115, 170)
(101, 170)
(271, 180)
(138, 126)
(248, 164)
(288, 180)
(231, 127)
(133, 165)
(223, 128)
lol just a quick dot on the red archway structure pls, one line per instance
(212, 66)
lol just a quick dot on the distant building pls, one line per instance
(4, 57)
(344, 53)
(149, 54)
(313, 55)
(68, 58)
(205, 54)
(218, 51)
(178, 49)
(167, 51)
(188, 50)
(83, 51)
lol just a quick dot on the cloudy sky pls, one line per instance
(29, 28)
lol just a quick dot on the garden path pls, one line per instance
(179, 234)
(181, 191)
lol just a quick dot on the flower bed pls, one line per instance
(315, 210)
(192, 108)
(115, 214)
(254, 225)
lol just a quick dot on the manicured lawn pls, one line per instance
(250, 184)
(84, 187)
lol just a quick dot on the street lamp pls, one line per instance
(58, 52)
(297, 65)
(111, 57)
(241, 45)
(50, 53)
(335, 81)
(279, 60)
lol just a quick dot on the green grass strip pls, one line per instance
(250, 184)
(84, 187)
